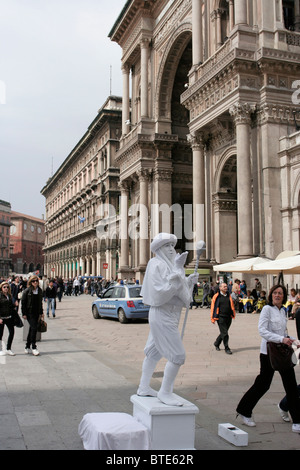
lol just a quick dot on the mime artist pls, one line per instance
(167, 290)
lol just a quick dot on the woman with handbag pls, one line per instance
(32, 311)
(6, 318)
(272, 328)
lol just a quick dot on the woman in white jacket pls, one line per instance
(167, 290)
(272, 327)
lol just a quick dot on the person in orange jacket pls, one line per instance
(222, 311)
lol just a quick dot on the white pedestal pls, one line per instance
(170, 427)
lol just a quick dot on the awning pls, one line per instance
(241, 266)
(289, 265)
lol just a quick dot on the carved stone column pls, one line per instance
(144, 77)
(124, 241)
(219, 27)
(125, 101)
(144, 228)
(297, 15)
(231, 14)
(240, 9)
(241, 114)
(162, 195)
(197, 30)
(198, 187)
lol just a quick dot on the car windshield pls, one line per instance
(135, 291)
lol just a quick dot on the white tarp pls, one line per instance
(241, 266)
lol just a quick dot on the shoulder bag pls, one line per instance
(281, 356)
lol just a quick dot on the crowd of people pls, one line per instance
(224, 301)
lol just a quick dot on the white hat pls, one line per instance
(162, 239)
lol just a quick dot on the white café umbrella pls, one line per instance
(241, 266)
(289, 265)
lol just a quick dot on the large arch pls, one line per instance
(168, 68)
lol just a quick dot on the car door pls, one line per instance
(105, 302)
(117, 300)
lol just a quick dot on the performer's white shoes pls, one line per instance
(146, 392)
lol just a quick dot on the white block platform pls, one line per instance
(113, 431)
(233, 434)
(170, 427)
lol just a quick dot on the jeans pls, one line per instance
(261, 386)
(52, 303)
(11, 331)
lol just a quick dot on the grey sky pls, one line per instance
(55, 59)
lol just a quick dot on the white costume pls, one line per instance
(167, 290)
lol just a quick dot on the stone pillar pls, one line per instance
(197, 31)
(162, 200)
(125, 101)
(242, 117)
(297, 15)
(144, 226)
(240, 10)
(231, 14)
(124, 242)
(144, 77)
(219, 28)
(198, 187)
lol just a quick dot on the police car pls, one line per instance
(121, 301)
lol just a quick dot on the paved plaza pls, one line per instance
(87, 365)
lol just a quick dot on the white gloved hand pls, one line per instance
(180, 260)
(193, 278)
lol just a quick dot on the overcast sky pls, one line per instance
(55, 61)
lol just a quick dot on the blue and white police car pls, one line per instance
(121, 301)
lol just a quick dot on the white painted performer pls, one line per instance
(167, 290)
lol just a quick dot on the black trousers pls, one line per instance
(297, 318)
(31, 337)
(11, 331)
(261, 386)
(224, 325)
(284, 403)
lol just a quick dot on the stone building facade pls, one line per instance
(207, 119)
(27, 237)
(5, 223)
(80, 197)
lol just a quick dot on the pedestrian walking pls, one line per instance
(32, 311)
(222, 311)
(50, 297)
(272, 328)
(6, 318)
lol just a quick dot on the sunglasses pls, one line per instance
(35, 280)
(5, 287)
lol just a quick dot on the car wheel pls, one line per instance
(95, 312)
(122, 317)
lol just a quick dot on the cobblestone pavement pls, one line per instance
(89, 365)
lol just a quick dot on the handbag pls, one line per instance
(42, 326)
(280, 356)
(17, 320)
